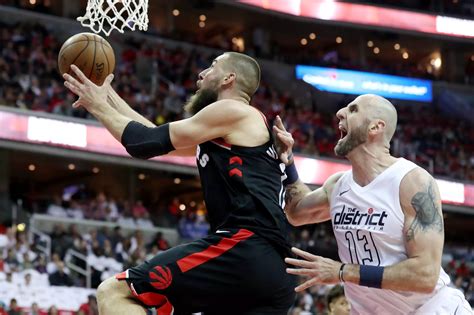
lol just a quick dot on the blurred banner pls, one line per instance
(358, 82)
(92, 138)
(362, 14)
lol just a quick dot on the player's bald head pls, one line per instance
(246, 69)
(378, 108)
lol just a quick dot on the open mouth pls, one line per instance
(343, 132)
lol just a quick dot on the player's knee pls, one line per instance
(110, 289)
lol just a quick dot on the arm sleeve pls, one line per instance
(144, 142)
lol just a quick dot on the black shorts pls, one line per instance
(231, 272)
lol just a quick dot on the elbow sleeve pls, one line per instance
(143, 142)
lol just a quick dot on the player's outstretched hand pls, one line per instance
(90, 94)
(318, 269)
(283, 141)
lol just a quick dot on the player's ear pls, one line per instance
(376, 127)
(229, 78)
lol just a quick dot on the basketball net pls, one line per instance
(107, 15)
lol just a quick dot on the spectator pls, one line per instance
(26, 285)
(12, 260)
(89, 308)
(3, 309)
(139, 210)
(52, 266)
(14, 309)
(35, 310)
(75, 211)
(117, 236)
(159, 241)
(53, 310)
(56, 209)
(336, 301)
(60, 278)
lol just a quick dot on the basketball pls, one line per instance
(89, 52)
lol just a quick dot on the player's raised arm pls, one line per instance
(94, 99)
(146, 141)
(303, 206)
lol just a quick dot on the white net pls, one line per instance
(107, 15)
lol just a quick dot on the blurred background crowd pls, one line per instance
(131, 213)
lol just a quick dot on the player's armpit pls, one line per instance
(214, 121)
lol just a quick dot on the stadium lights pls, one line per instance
(436, 62)
(21, 227)
(370, 43)
(176, 12)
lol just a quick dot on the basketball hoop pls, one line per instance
(107, 15)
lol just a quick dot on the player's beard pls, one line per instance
(353, 140)
(200, 99)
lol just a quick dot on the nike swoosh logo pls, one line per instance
(343, 192)
(222, 231)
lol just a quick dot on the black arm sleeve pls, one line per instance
(143, 142)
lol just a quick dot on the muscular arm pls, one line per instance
(124, 109)
(424, 237)
(304, 206)
(214, 121)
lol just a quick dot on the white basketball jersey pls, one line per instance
(368, 226)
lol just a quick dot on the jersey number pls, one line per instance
(364, 254)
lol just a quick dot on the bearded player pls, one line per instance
(239, 268)
(386, 216)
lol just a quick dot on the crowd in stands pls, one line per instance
(101, 208)
(29, 80)
(110, 252)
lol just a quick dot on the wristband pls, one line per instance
(291, 174)
(371, 276)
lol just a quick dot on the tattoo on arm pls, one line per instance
(295, 191)
(428, 214)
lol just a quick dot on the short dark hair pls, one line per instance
(336, 292)
(247, 70)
